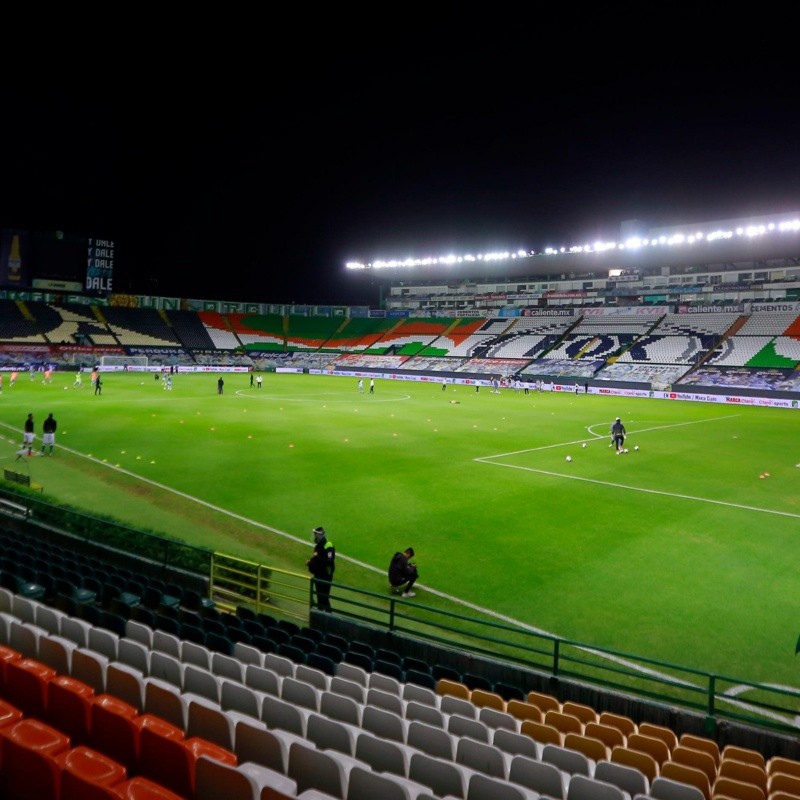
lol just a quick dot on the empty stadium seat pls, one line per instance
(27, 752)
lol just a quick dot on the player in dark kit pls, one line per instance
(49, 434)
(618, 435)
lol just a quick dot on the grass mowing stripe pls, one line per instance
(707, 584)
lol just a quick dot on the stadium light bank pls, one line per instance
(708, 232)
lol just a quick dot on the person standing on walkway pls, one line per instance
(322, 565)
(27, 434)
(49, 434)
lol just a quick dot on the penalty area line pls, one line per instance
(597, 437)
(642, 489)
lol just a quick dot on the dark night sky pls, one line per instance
(253, 166)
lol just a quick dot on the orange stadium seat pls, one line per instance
(739, 790)
(745, 754)
(686, 774)
(544, 701)
(27, 754)
(667, 735)
(744, 771)
(699, 759)
(609, 735)
(542, 732)
(87, 774)
(701, 743)
(644, 762)
(789, 766)
(619, 721)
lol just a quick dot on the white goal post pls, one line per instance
(120, 362)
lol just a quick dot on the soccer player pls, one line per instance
(618, 435)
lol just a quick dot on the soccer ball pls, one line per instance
(569, 458)
(637, 447)
(584, 444)
(625, 450)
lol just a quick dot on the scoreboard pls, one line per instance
(56, 261)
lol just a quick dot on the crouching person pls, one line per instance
(403, 573)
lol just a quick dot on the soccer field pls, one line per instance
(685, 550)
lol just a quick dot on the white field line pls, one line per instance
(327, 397)
(369, 567)
(492, 461)
(606, 435)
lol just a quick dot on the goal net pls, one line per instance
(117, 362)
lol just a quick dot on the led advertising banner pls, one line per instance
(100, 266)
(14, 258)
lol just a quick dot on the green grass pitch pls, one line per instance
(687, 550)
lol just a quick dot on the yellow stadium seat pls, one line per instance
(566, 723)
(686, 774)
(746, 754)
(544, 701)
(620, 721)
(667, 735)
(701, 743)
(699, 759)
(737, 789)
(589, 746)
(541, 732)
(644, 762)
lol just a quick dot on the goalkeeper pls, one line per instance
(618, 434)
